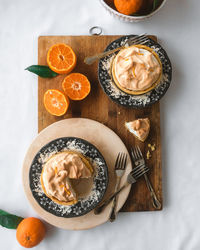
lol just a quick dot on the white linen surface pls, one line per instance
(177, 27)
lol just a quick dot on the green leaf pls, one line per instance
(10, 221)
(155, 4)
(42, 70)
(2, 212)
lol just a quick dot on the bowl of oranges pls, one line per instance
(132, 10)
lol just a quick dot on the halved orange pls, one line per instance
(55, 102)
(61, 58)
(76, 86)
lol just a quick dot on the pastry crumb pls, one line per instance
(152, 147)
(119, 113)
(148, 155)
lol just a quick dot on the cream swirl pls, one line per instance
(58, 171)
(136, 68)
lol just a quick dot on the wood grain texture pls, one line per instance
(99, 107)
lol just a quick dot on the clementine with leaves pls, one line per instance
(30, 232)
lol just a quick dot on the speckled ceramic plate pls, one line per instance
(100, 178)
(122, 98)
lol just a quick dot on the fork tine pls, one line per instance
(133, 154)
(126, 157)
(143, 41)
(140, 168)
(136, 169)
(123, 165)
(136, 153)
(142, 173)
(121, 161)
(117, 160)
(139, 151)
(139, 40)
(138, 37)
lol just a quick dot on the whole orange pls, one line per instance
(30, 232)
(128, 7)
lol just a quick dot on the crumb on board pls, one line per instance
(119, 113)
(152, 147)
(148, 155)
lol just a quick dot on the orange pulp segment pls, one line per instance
(76, 86)
(55, 102)
(61, 58)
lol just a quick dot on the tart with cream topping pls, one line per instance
(139, 128)
(57, 173)
(136, 69)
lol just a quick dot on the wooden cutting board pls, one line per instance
(99, 107)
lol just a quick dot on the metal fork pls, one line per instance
(120, 165)
(138, 160)
(132, 177)
(139, 39)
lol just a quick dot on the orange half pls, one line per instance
(61, 58)
(76, 86)
(55, 102)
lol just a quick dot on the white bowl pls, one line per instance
(130, 19)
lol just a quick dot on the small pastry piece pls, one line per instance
(139, 128)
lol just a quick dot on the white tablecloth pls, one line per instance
(177, 27)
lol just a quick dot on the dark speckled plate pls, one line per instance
(100, 179)
(122, 98)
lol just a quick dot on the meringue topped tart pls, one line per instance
(139, 128)
(58, 173)
(136, 69)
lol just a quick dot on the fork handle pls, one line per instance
(156, 203)
(114, 202)
(91, 59)
(100, 208)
